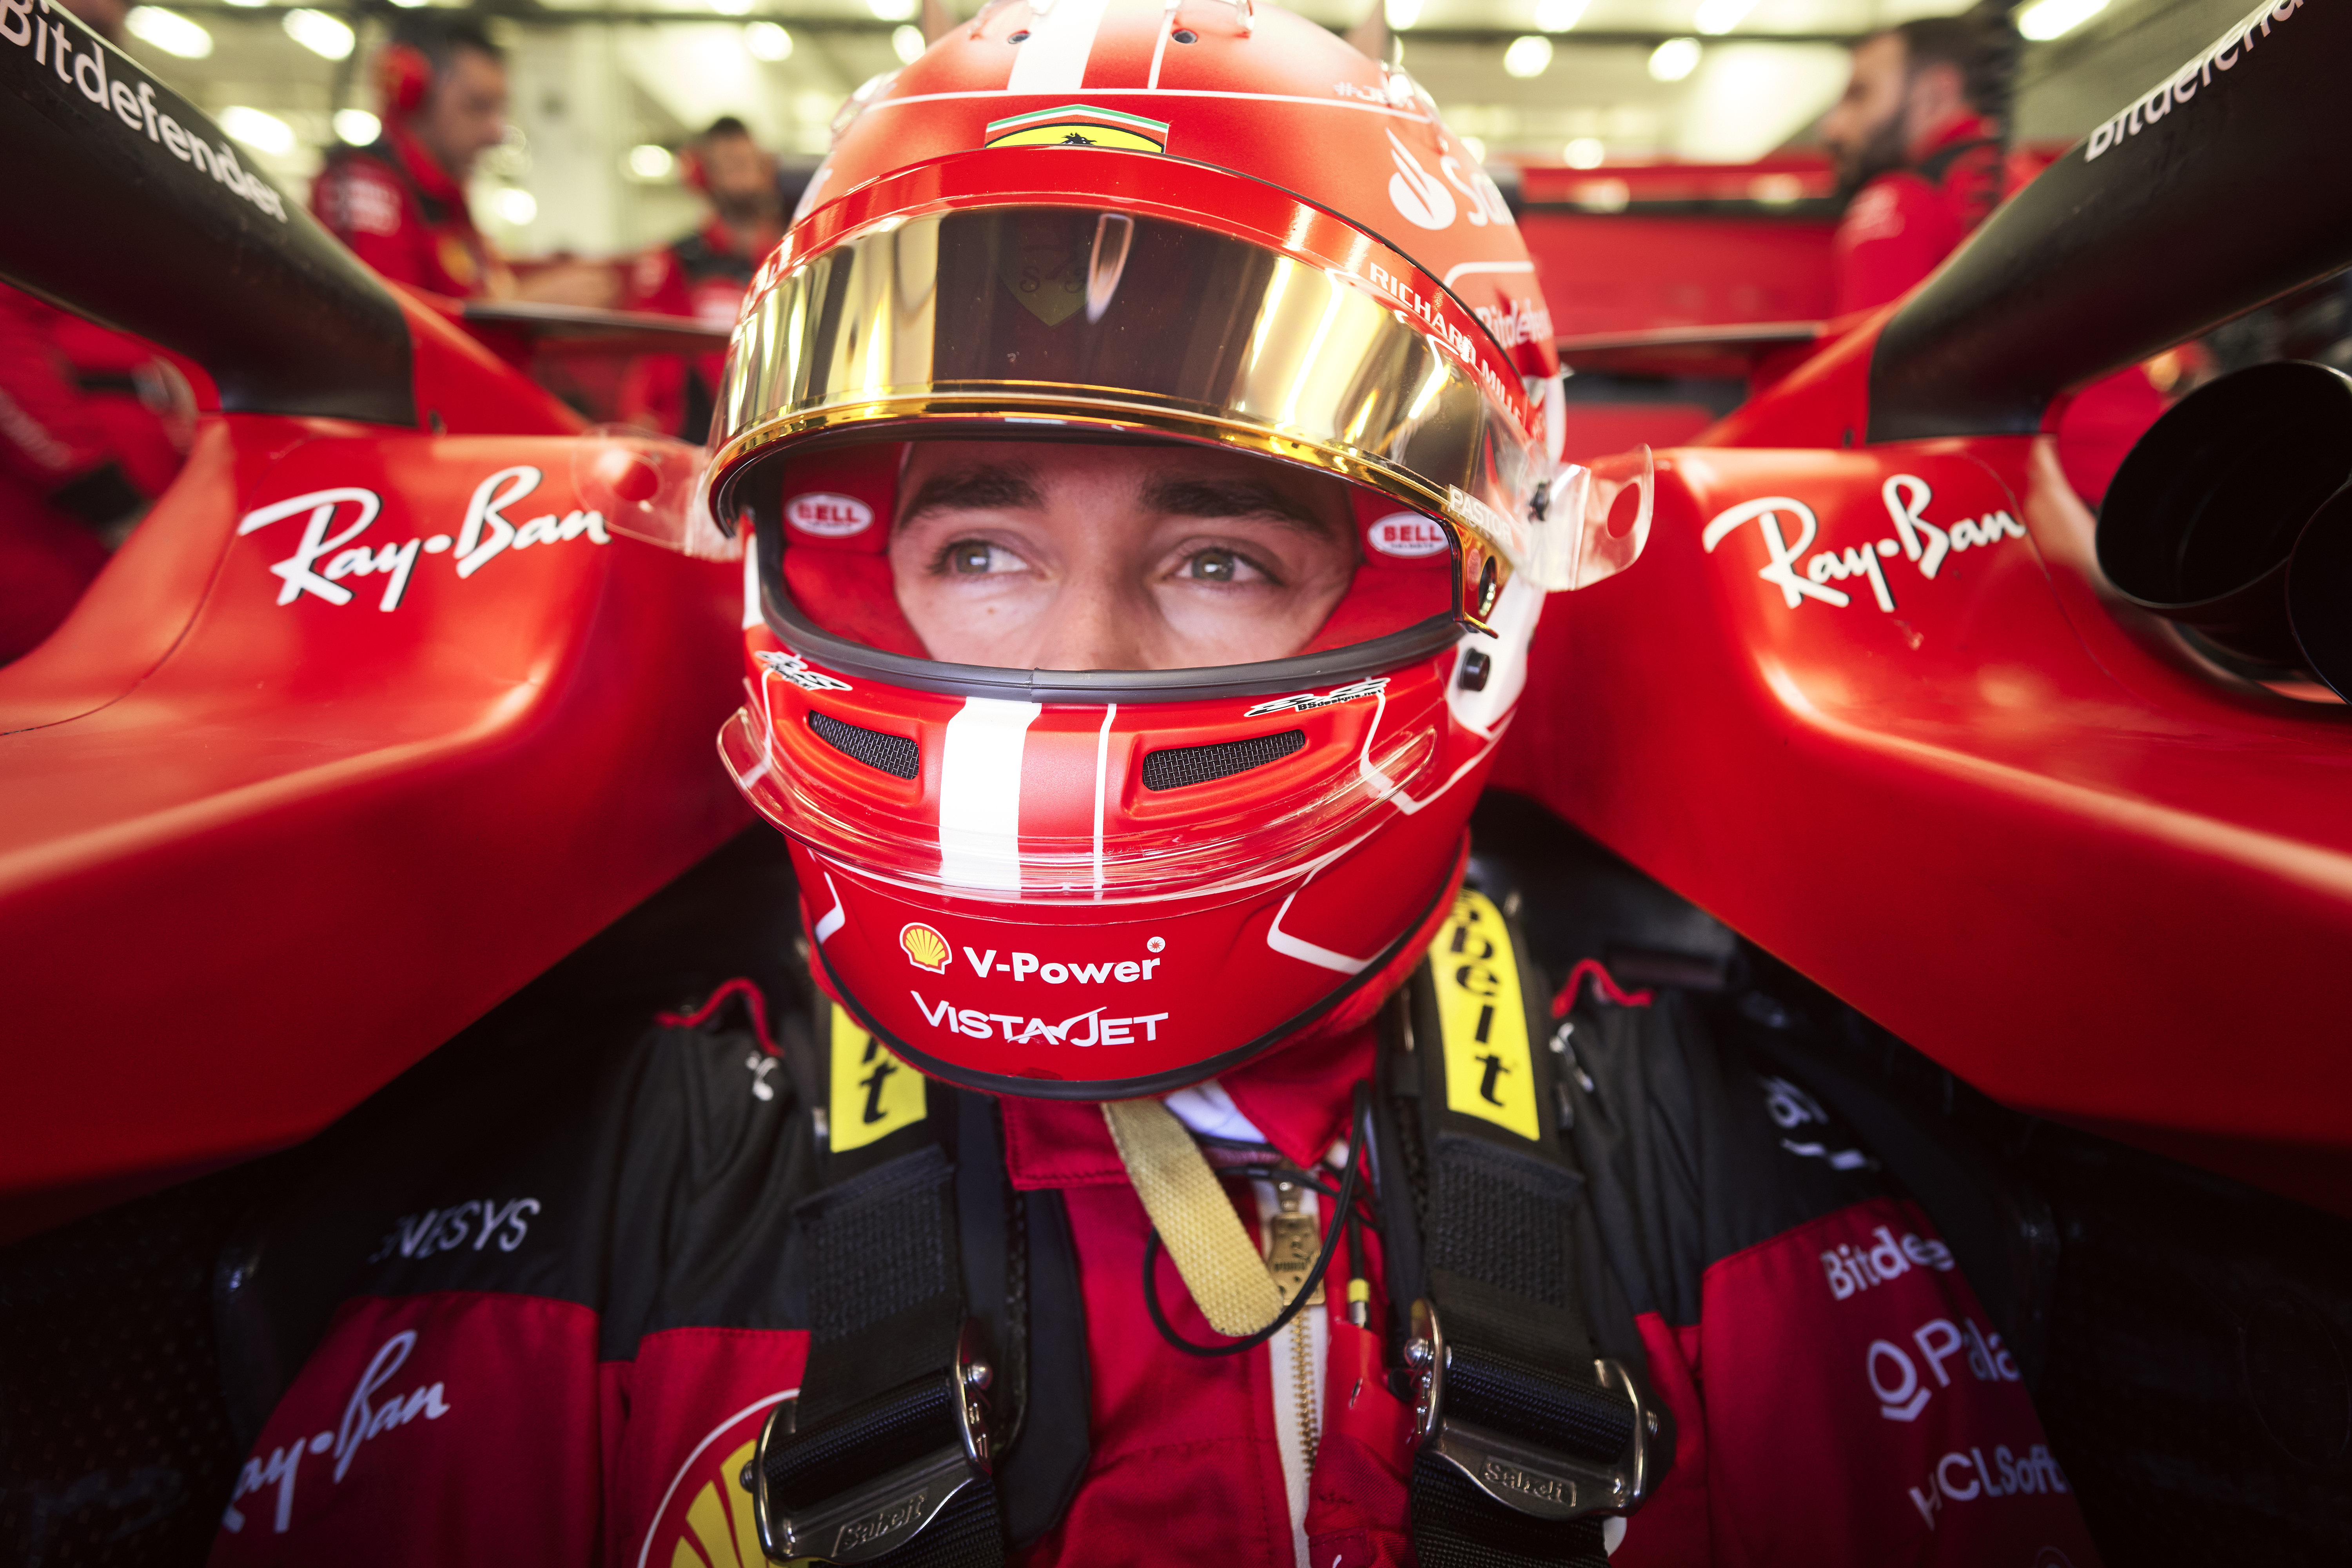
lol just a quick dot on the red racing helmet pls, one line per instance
(1198, 225)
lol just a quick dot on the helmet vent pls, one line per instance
(893, 754)
(1177, 766)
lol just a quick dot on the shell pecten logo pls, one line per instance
(924, 947)
(719, 1522)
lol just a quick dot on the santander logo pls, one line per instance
(1419, 196)
(828, 515)
(1407, 536)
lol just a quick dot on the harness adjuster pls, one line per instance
(1527, 1477)
(875, 1515)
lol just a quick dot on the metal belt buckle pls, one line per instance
(884, 1514)
(1526, 1479)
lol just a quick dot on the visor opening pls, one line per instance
(892, 754)
(1175, 767)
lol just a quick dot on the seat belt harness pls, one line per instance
(1526, 1438)
(920, 1268)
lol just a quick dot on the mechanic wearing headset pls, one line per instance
(703, 275)
(1167, 1156)
(401, 203)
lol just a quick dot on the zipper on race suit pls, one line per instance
(1290, 1218)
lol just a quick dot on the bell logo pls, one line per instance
(828, 515)
(925, 948)
(1407, 536)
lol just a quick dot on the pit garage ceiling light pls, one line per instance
(1559, 16)
(894, 10)
(648, 162)
(516, 207)
(357, 126)
(768, 42)
(322, 35)
(2051, 19)
(1401, 13)
(731, 8)
(1718, 17)
(248, 3)
(1584, 153)
(908, 42)
(262, 133)
(1528, 56)
(1677, 58)
(169, 31)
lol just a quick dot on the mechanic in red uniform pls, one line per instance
(1918, 138)
(1918, 141)
(441, 86)
(401, 203)
(93, 424)
(1164, 1124)
(703, 275)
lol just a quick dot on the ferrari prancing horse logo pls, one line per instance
(1079, 125)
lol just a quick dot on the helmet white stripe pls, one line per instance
(980, 792)
(1052, 59)
(1306, 952)
(1102, 788)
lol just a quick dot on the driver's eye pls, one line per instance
(973, 556)
(1216, 565)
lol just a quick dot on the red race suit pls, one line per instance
(572, 1291)
(404, 217)
(93, 424)
(704, 277)
(1902, 224)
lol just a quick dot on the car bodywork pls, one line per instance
(1867, 699)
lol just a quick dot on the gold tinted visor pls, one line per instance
(1072, 320)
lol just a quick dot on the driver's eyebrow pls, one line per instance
(1201, 497)
(977, 487)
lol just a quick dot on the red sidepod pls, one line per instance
(1889, 722)
(1135, 936)
(276, 821)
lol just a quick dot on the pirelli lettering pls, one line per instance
(1482, 1017)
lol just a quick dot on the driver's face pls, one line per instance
(1046, 555)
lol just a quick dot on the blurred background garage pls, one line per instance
(605, 95)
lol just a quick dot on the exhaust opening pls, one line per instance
(2203, 514)
(2319, 593)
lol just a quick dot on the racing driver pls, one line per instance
(1170, 1151)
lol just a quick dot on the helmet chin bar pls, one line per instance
(1270, 678)
(1095, 1090)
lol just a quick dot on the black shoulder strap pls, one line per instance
(1528, 1437)
(1938, 163)
(924, 1273)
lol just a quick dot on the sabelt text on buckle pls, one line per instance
(1540, 1483)
(883, 1514)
